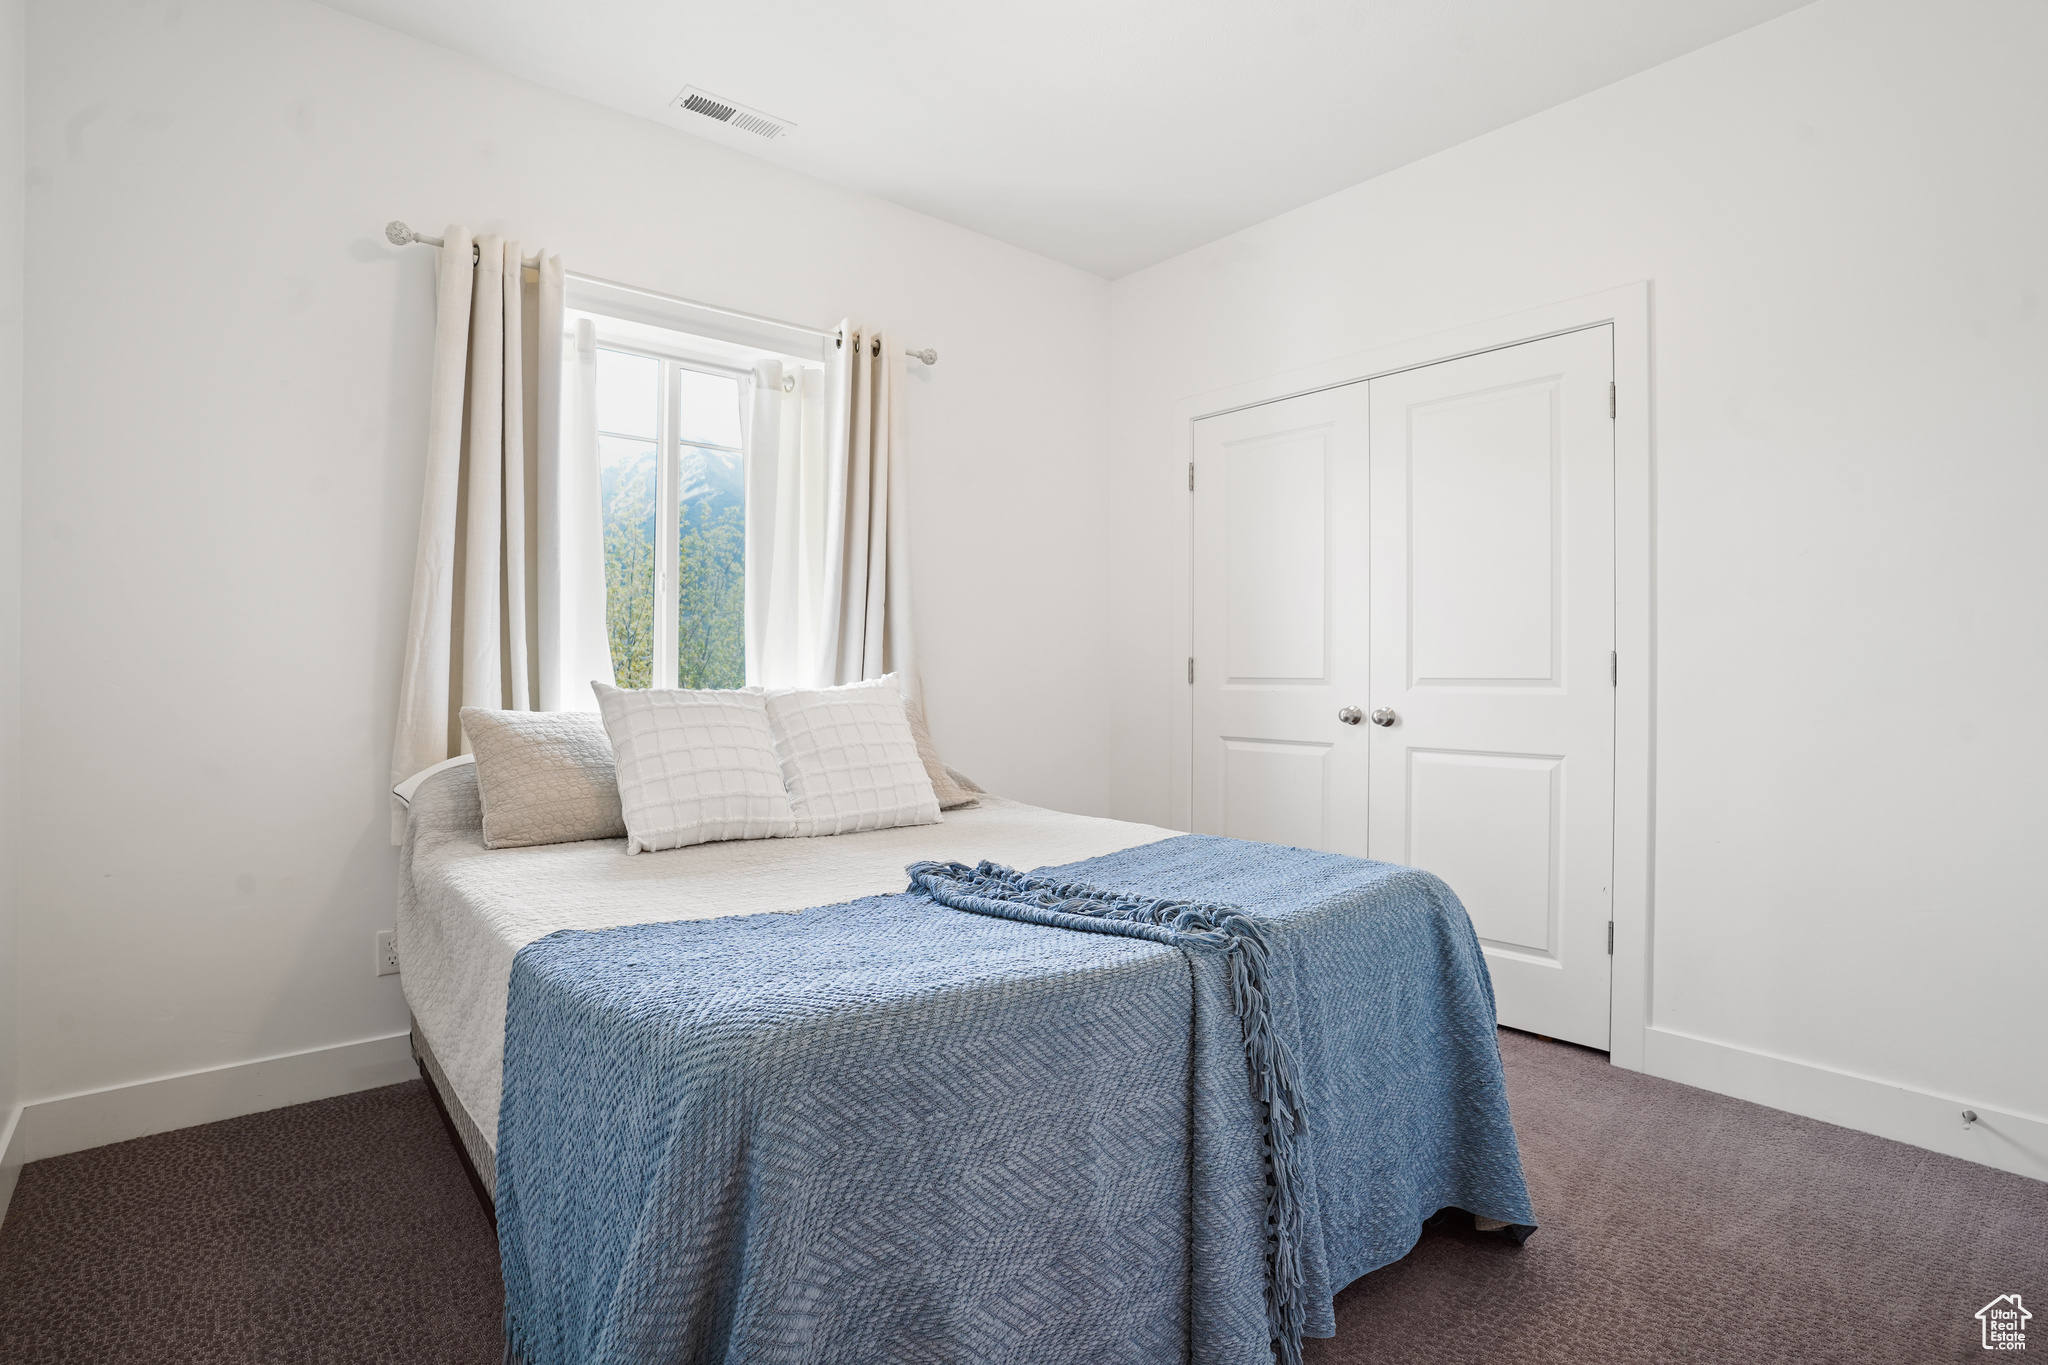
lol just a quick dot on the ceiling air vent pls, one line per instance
(710, 106)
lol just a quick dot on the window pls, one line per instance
(672, 489)
(673, 495)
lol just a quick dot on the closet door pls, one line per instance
(1280, 622)
(1492, 700)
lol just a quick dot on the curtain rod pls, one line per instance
(398, 234)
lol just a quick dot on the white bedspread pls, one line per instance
(464, 911)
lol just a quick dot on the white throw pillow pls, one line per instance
(850, 760)
(694, 767)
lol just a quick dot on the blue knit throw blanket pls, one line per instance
(1194, 926)
(887, 1130)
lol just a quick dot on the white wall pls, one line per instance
(225, 415)
(1841, 213)
(12, 109)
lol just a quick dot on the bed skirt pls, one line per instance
(478, 1160)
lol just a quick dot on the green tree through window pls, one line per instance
(654, 409)
(628, 493)
(711, 601)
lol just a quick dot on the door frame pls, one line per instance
(1627, 310)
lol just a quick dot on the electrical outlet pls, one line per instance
(387, 952)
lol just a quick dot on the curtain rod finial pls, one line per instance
(398, 234)
(927, 355)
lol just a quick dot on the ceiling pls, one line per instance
(1109, 134)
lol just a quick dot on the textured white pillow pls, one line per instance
(694, 767)
(850, 760)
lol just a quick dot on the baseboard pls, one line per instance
(10, 1156)
(72, 1123)
(2006, 1141)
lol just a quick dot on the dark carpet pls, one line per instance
(1677, 1226)
(342, 1230)
(1680, 1225)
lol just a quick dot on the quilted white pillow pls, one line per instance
(544, 777)
(694, 767)
(850, 760)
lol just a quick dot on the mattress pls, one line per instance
(465, 911)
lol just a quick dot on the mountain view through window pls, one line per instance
(667, 430)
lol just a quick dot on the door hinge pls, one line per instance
(1191, 476)
(1610, 398)
(1614, 668)
(1610, 938)
(1191, 668)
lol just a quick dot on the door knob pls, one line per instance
(1351, 715)
(1384, 716)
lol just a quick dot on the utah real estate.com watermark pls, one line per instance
(2005, 1323)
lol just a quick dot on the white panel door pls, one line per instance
(1279, 621)
(1492, 630)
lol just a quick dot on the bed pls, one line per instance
(752, 1101)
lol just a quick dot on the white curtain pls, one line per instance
(501, 615)
(866, 593)
(787, 473)
(578, 572)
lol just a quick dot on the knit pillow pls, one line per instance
(543, 777)
(694, 766)
(850, 760)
